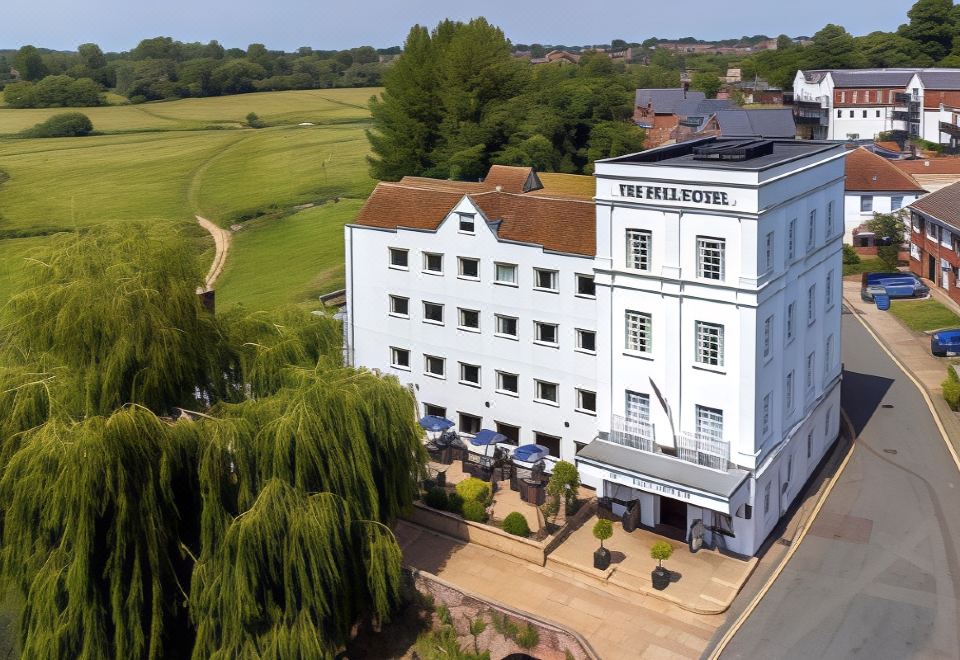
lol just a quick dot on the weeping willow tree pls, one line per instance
(258, 530)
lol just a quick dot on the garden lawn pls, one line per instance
(924, 315)
(866, 265)
(288, 260)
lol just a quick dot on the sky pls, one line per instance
(288, 24)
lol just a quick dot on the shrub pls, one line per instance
(602, 530)
(661, 551)
(474, 511)
(474, 490)
(437, 498)
(850, 255)
(527, 637)
(455, 503)
(65, 124)
(951, 389)
(564, 482)
(516, 524)
(253, 121)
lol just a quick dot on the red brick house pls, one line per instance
(935, 238)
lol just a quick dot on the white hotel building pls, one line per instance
(678, 338)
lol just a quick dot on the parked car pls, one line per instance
(945, 343)
(895, 285)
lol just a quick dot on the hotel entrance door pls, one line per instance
(673, 513)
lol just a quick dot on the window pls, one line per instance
(432, 312)
(809, 444)
(400, 358)
(545, 280)
(812, 230)
(585, 286)
(839, 114)
(400, 306)
(828, 427)
(767, 333)
(507, 326)
(828, 356)
(829, 219)
(709, 344)
(551, 442)
(851, 114)
(878, 112)
(788, 392)
(466, 223)
(792, 239)
(637, 407)
(866, 203)
(434, 366)
(436, 411)
(511, 432)
(843, 97)
(506, 274)
(710, 422)
(468, 269)
(469, 319)
(768, 252)
(507, 383)
(896, 202)
(811, 305)
(765, 417)
(864, 114)
(828, 295)
(766, 499)
(638, 249)
(587, 341)
(810, 368)
(470, 424)
(932, 231)
(545, 392)
(432, 263)
(855, 94)
(639, 337)
(586, 401)
(789, 467)
(791, 320)
(398, 258)
(469, 374)
(710, 258)
(545, 333)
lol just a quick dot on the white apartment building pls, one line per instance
(678, 338)
(845, 104)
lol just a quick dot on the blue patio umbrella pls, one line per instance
(486, 437)
(434, 423)
(530, 453)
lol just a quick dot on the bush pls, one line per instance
(474, 511)
(253, 121)
(65, 124)
(516, 524)
(602, 530)
(455, 503)
(661, 551)
(474, 490)
(951, 389)
(850, 255)
(527, 637)
(437, 498)
(564, 482)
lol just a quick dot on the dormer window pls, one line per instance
(466, 223)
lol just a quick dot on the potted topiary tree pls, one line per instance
(602, 530)
(660, 576)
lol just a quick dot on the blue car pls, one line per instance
(945, 343)
(894, 285)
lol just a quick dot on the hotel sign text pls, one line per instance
(673, 194)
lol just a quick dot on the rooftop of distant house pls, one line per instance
(868, 172)
(757, 122)
(929, 166)
(666, 101)
(934, 78)
(749, 154)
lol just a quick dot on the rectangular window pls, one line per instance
(466, 223)
(878, 112)
(710, 258)
(851, 114)
(767, 333)
(826, 425)
(637, 407)
(468, 269)
(810, 369)
(828, 295)
(812, 230)
(866, 203)
(507, 383)
(432, 263)
(811, 304)
(507, 326)
(586, 401)
(585, 286)
(432, 312)
(551, 442)
(639, 335)
(470, 424)
(932, 231)
(545, 280)
(434, 366)
(436, 411)
(710, 422)
(766, 499)
(829, 219)
(469, 319)
(789, 468)
(399, 258)
(792, 239)
(839, 114)
(545, 333)
(400, 358)
(788, 392)
(587, 341)
(709, 348)
(400, 306)
(545, 392)
(809, 444)
(506, 274)
(765, 417)
(828, 356)
(638, 249)
(896, 202)
(469, 374)
(864, 114)
(791, 320)
(768, 252)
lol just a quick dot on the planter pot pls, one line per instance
(601, 559)
(660, 578)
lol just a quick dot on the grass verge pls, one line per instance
(924, 315)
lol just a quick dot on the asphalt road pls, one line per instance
(878, 574)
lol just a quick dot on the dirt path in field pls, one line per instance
(221, 241)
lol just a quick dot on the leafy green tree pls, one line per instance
(91, 56)
(157, 48)
(609, 139)
(29, 64)
(886, 49)
(237, 76)
(66, 124)
(707, 82)
(931, 27)
(833, 48)
(890, 229)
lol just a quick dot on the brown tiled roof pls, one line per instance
(868, 172)
(930, 166)
(462, 187)
(889, 146)
(944, 205)
(512, 179)
(393, 205)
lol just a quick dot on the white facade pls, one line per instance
(859, 207)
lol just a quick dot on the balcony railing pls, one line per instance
(697, 448)
(950, 129)
(632, 433)
(901, 115)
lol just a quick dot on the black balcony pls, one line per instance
(810, 115)
(900, 115)
(902, 98)
(950, 129)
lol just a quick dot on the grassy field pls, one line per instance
(865, 265)
(158, 163)
(924, 315)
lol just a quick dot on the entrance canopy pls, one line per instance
(664, 475)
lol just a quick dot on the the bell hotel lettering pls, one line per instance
(670, 194)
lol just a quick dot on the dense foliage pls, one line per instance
(65, 124)
(255, 530)
(54, 92)
(516, 524)
(457, 101)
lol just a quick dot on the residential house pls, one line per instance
(873, 185)
(935, 239)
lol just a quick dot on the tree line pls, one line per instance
(162, 68)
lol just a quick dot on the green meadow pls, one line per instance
(176, 159)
